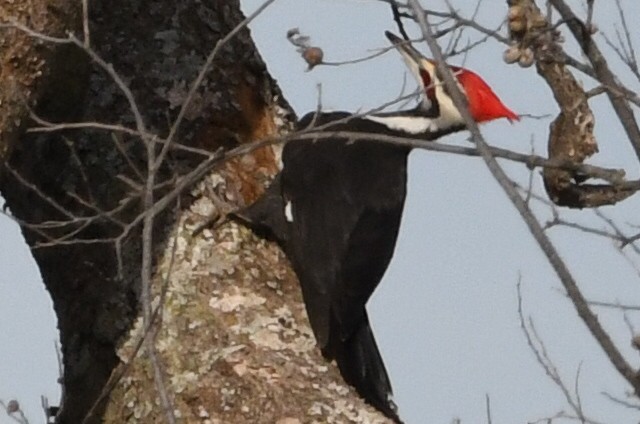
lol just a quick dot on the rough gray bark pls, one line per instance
(234, 343)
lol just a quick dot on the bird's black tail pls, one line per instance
(361, 366)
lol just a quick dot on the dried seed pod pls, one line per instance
(12, 406)
(538, 21)
(526, 58)
(515, 12)
(313, 56)
(297, 39)
(517, 18)
(512, 54)
(517, 25)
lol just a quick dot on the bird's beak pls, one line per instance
(405, 48)
(417, 63)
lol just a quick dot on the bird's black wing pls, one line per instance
(346, 199)
(323, 214)
(345, 203)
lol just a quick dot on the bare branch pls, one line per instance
(565, 276)
(603, 72)
(622, 402)
(35, 34)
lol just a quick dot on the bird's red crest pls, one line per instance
(484, 104)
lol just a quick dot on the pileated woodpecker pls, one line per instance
(335, 208)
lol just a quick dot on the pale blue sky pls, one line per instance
(445, 316)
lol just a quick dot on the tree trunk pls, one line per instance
(233, 341)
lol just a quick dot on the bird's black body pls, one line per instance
(335, 208)
(346, 211)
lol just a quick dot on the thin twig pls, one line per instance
(398, 19)
(488, 408)
(85, 24)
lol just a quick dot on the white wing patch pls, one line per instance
(288, 212)
(408, 124)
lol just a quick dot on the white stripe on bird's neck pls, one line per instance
(449, 118)
(449, 115)
(407, 124)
